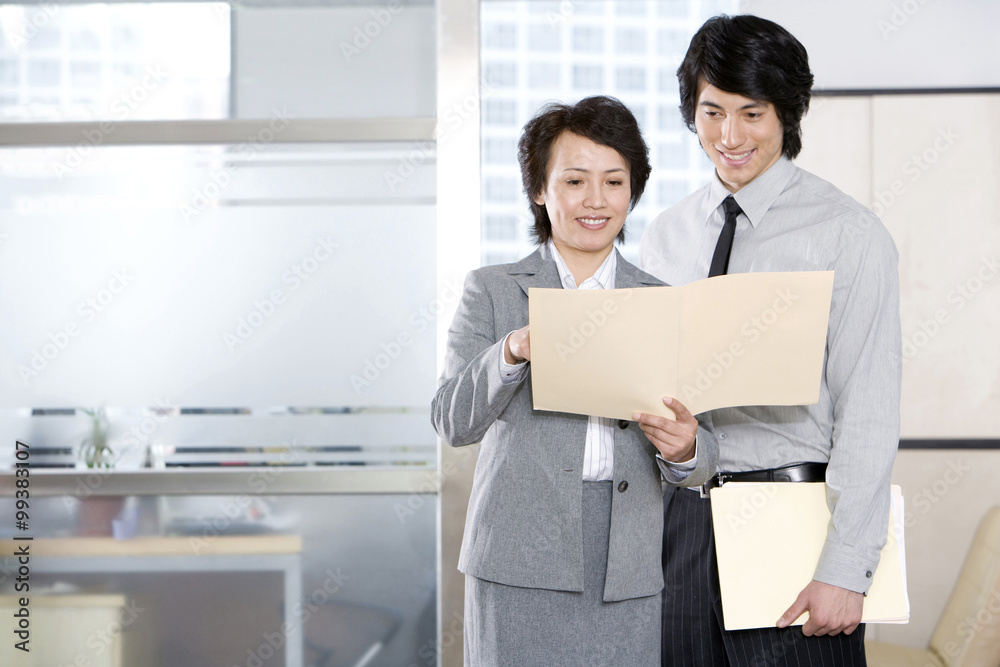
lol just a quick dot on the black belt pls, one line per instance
(795, 472)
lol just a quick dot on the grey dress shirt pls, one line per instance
(795, 221)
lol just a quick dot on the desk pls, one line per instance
(250, 553)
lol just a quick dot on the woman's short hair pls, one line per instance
(755, 58)
(604, 120)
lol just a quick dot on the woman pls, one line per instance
(562, 540)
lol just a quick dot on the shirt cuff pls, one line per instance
(510, 373)
(678, 472)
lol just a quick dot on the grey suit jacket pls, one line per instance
(524, 525)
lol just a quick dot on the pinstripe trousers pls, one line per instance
(693, 633)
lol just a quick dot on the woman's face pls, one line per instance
(587, 192)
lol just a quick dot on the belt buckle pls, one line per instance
(715, 480)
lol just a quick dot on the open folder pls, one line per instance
(740, 339)
(768, 538)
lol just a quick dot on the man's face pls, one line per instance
(741, 136)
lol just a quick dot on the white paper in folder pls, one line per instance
(768, 538)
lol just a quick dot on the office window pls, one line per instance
(500, 227)
(499, 150)
(499, 112)
(501, 189)
(544, 75)
(631, 7)
(501, 74)
(47, 36)
(546, 7)
(124, 38)
(44, 72)
(588, 39)
(9, 71)
(635, 225)
(639, 111)
(666, 80)
(85, 74)
(672, 155)
(493, 257)
(588, 77)
(669, 118)
(85, 40)
(500, 36)
(626, 48)
(630, 40)
(672, 42)
(629, 77)
(675, 9)
(670, 192)
(544, 37)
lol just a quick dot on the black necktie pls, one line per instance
(720, 260)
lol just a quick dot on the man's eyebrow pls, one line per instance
(755, 104)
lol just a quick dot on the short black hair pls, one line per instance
(755, 58)
(602, 119)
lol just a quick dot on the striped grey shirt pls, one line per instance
(795, 221)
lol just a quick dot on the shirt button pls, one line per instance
(623, 486)
(723, 436)
(868, 574)
(622, 424)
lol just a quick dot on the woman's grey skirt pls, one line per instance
(523, 627)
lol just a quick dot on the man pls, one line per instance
(745, 84)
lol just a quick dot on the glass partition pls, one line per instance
(179, 297)
(242, 579)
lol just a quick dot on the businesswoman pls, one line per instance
(562, 540)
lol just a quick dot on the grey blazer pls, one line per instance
(524, 525)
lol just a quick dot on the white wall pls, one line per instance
(893, 44)
(923, 164)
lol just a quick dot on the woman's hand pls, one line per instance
(674, 438)
(518, 347)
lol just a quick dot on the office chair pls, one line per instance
(968, 632)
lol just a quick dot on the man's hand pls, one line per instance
(674, 438)
(518, 347)
(832, 610)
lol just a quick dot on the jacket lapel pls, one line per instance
(535, 270)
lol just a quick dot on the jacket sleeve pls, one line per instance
(471, 392)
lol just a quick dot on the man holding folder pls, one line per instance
(745, 84)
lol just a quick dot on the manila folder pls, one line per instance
(768, 539)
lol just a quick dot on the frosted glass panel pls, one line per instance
(260, 285)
